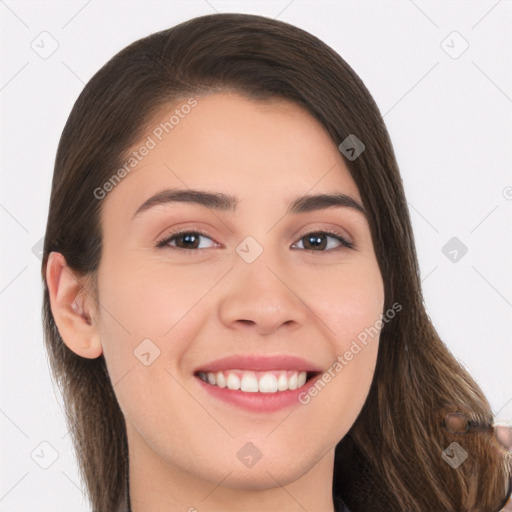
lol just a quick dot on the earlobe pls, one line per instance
(72, 308)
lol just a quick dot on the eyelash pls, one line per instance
(164, 242)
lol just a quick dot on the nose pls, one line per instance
(262, 297)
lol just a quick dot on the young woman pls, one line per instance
(232, 300)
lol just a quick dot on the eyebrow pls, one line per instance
(224, 202)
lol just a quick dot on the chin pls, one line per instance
(264, 477)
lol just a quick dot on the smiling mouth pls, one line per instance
(251, 381)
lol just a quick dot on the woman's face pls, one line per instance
(260, 286)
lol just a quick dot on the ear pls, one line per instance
(73, 308)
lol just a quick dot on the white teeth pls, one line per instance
(253, 382)
(268, 383)
(292, 382)
(282, 382)
(249, 382)
(221, 380)
(233, 382)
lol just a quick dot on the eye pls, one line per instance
(317, 241)
(185, 240)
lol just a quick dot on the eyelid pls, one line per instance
(334, 232)
(163, 241)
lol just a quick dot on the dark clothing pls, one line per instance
(339, 506)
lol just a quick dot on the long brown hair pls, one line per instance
(391, 459)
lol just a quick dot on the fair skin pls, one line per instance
(199, 307)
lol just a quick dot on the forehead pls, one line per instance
(261, 151)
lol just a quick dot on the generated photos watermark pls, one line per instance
(157, 135)
(344, 359)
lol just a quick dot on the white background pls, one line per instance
(449, 120)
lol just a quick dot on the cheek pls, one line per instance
(350, 306)
(146, 324)
(350, 301)
(150, 299)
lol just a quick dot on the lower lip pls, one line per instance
(258, 402)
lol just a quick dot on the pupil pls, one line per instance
(316, 241)
(187, 240)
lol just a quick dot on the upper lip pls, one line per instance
(258, 363)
